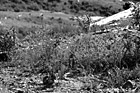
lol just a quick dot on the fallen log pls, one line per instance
(121, 15)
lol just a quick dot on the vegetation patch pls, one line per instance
(57, 56)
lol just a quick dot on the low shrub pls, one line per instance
(63, 30)
(7, 43)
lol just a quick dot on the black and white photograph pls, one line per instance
(69, 46)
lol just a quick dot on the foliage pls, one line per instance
(7, 43)
(34, 7)
(111, 58)
(63, 30)
(60, 5)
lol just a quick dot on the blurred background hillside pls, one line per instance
(93, 7)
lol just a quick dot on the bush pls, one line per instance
(7, 43)
(17, 10)
(63, 30)
(34, 7)
(3, 8)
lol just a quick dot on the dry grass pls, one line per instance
(81, 62)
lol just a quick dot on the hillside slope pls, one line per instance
(94, 7)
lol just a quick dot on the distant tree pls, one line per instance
(126, 6)
(76, 8)
(70, 1)
(58, 0)
(85, 3)
(34, 7)
(3, 9)
(16, 9)
(16, 1)
(54, 0)
(82, 8)
(3, 1)
(4, 57)
(26, 1)
(132, 0)
(65, 3)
